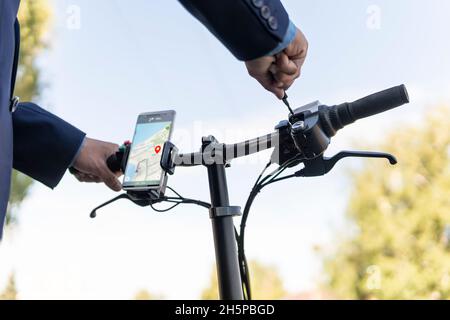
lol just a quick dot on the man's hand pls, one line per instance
(260, 70)
(290, 61)
(91, 163)
(277, 73)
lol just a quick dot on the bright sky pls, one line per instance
(140, 56)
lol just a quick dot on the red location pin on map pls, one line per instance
(157, 149)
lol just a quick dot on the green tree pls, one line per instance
(34, 19)
(401, 245)
(10, 292)
(265, 280)
(145, 295)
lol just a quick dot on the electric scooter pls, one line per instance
(301, 139)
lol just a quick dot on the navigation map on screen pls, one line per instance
(143, 167)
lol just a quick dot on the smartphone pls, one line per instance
(143, 171)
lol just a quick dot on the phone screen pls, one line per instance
(143, 168)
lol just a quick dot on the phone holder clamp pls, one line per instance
(117, 163)
(167, 157)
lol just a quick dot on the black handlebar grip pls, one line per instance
(378, 102)
(114, 162)
(337, 117)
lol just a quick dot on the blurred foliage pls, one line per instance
(34, 19)
(10, 292)
(145, 295)
(401, 247)
(20, 186)
(265, 281)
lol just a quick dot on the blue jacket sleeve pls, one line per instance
(248, 28)
(44, 145)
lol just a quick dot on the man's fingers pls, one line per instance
(285, 81)
(113, 183)
(283, 78)
(80, 177)
(84, 177)
(110, 179)
(286, 65)
(106, 175)
(271, 85)
(95, 179)
(273, 68)
(299, 62)
(278, 92)
(263, 69)
(277, 73)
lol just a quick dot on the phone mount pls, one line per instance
(117, 163)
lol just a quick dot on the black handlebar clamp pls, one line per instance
(118, 161)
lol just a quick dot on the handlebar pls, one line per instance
(227, 152)
(339, 116)
(378, 102)
(307, 134)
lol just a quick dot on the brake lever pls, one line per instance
(140, 198)
(322, 165)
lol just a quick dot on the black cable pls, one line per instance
(258, 186)
(243, 266)
(260, 183)
(280, 170)
(241, 252)
(165, 210)
(197, 202)
(248, 280)
(242, 270)
(188, 201)
(179, 200)
(281, 179)
(171, 189)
